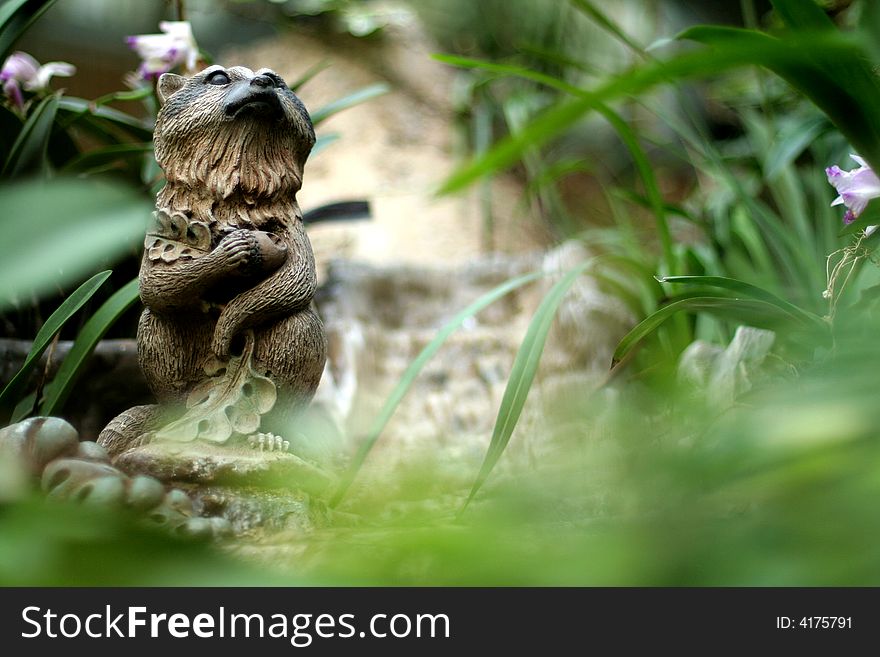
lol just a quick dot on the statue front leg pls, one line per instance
(131, 428)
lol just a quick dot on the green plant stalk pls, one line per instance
(522, 374)
(602, 20)
(482, 136)
(784, 244)
(81, 109)
(409, 376)
(752, 312)
(57, 392)
(311, 72)
(753, 292)
(626, 134)
(51, 327)
(31, 145)
(848, 109)
(16, 16)
(652, 189)
(361, 95)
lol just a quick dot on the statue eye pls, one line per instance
(217, 77)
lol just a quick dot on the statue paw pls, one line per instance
(241, 250)
(268, 442)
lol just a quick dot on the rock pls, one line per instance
(179, 501)
(37, 441)
(258, 510)
(722, 374)
(102, 492)
(197, 528)
(173, 512)
(75, 480)
(205, 464)
(15, 481)
(145, 492)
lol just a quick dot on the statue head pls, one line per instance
(231, 130)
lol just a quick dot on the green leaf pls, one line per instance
(791, 142)
(128, 95)
(870, 25)
(626, 134)
(56, 393)
(751, 312)
(58, 231)
(356, 98)
(323, 141)
(52, 325)
(409, 376)
(802, 14)
(669, 209)
(827, 67)
(753, 292)
(509, 69)
(107, 155)
(78, 109)
(646, 172)
(25, 406)
(10, 127)
(311, 72)
(29, 150)
(851, 102)
(16, 16)
(525, 365)
(603, 21)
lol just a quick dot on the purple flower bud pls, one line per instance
(13, 93)
(855, 188)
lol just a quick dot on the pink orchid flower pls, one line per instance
(21, 70)
(856, 188)
(160, 53)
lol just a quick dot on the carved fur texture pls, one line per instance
(228, 254)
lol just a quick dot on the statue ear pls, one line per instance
(168, 84)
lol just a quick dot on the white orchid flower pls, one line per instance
(21, 70)
(160, 53)
(856, 188)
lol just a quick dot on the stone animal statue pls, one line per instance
(229, 341)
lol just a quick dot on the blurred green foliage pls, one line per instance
(647, 480)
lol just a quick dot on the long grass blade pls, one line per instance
(852, 110)
(522, 374)
(52, 325)
(409, 376)
(362, 95)
(752, 291)
(16, 16)
(79, 108)
(105, 156)
(57, 392)
(751, 312)
(29, 149)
